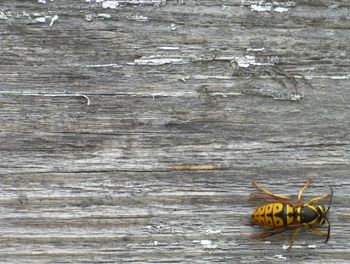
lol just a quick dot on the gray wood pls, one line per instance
(132, 135)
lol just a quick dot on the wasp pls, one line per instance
(280, 214)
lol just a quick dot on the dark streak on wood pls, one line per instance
(135, 138)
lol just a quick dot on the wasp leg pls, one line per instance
(276, 196)
(317, 199)
(292, 238)
(316, 232)
(307, 183)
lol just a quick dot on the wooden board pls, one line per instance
(131, 130)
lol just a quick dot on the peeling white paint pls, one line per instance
(103, 15)
(213, 231)
(265, 6)
(40, 19)
(110, 4)
(255, 49)
(224, 95)
(112, 65)
(294, 97)
(208, 244)
(3, 15)
(133, 2)
(312, 246)
(280, 257)
(172, 27)
(286, 4)
(261, 7)
(334, 77)
(286, 247)
(247, 60)
(280, 9)
(89, 17)
(53, 19)
(205, 77)
(140, 18)
(168, 48)
(158, 60)
(44, 1)
(25, 14)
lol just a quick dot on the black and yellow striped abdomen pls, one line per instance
(274, 215)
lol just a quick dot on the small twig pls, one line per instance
(49, 95)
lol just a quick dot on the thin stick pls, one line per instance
(49, 95)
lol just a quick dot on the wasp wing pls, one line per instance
(273, 231)
(264, 198)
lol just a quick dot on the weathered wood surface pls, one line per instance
(132, 135)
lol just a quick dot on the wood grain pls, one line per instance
(132, 134)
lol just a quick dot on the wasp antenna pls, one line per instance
(331, 198)
(329, 207)
(329, 231)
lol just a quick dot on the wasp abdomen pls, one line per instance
(274, 215)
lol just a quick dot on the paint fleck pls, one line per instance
(247, 60)
(264, 6)
(112, 65)
(280, 257)
(53, 19)
(261, 7)
(90, 17)
(213, 231)
(41, 19)
(169, 48)
(157, 60)
(280, 9)
(140, 18)
(286, 247)
(255, 49)
(110, 4)
(208, 244)
(25, 14)
(105, 16)
(172, 27)
(42, 1)
(3, 15)
(312, 246)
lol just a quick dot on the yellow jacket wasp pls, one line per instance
(280, 214)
